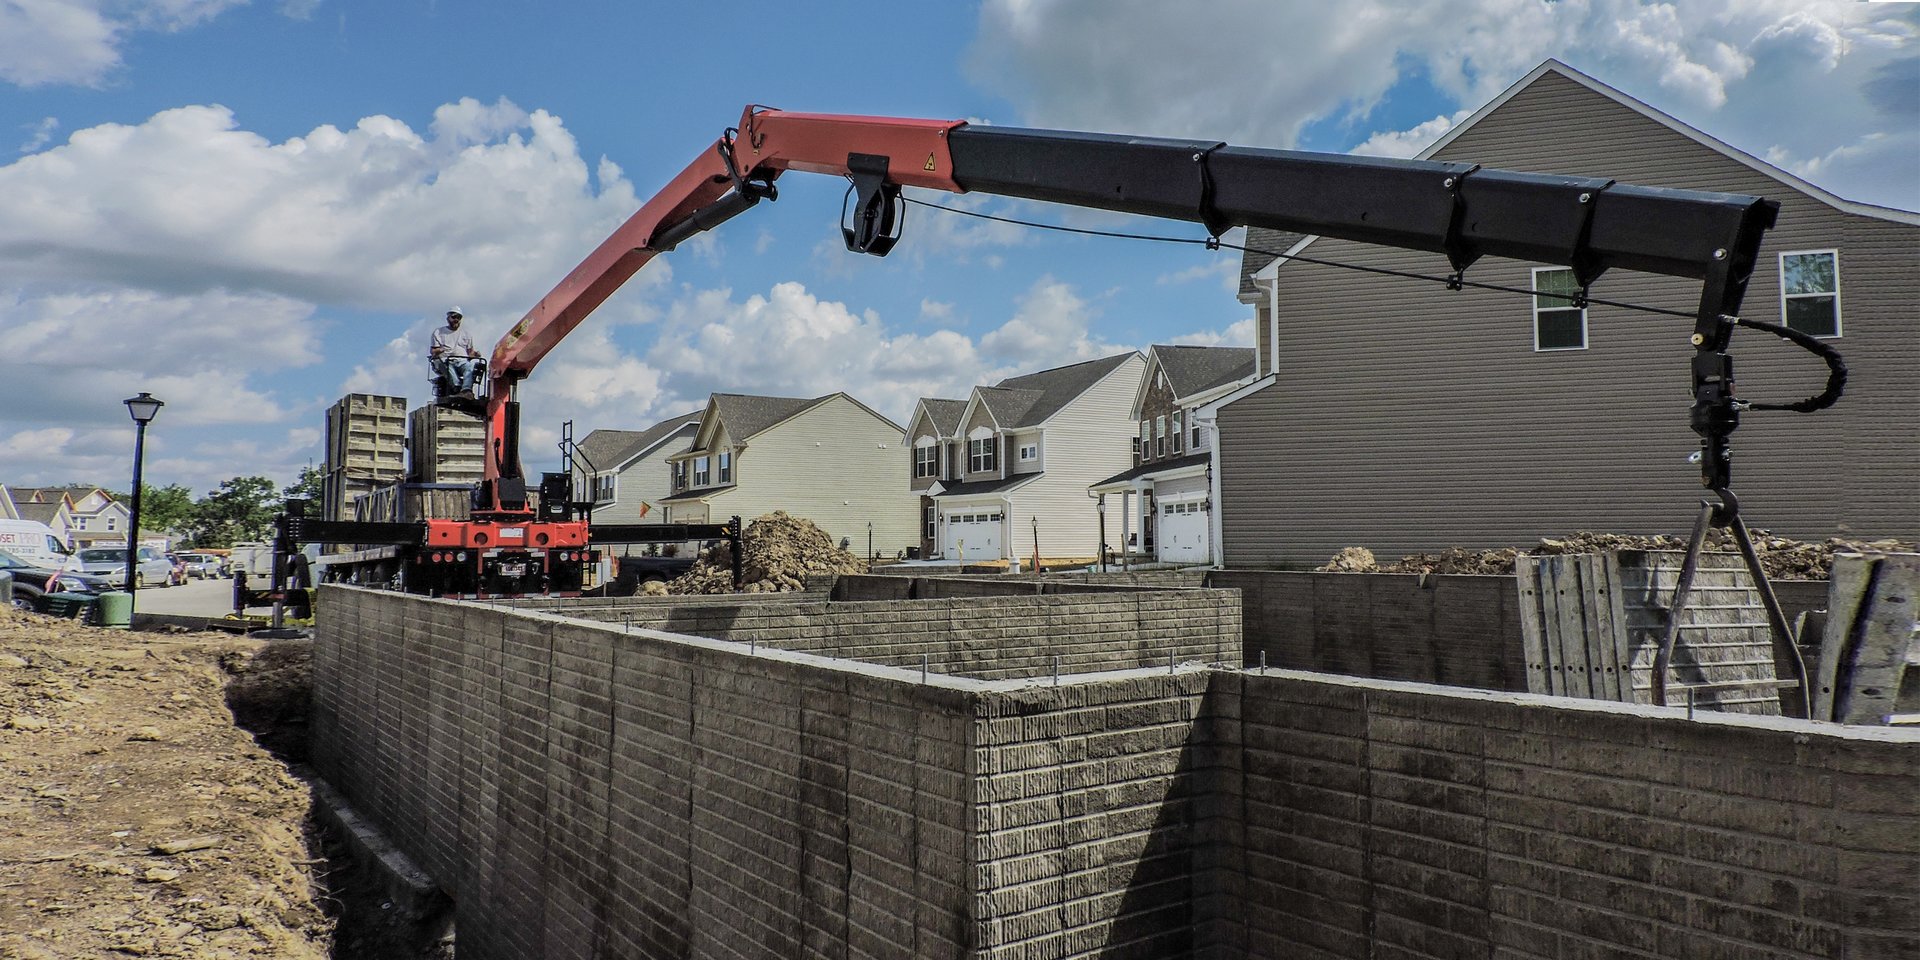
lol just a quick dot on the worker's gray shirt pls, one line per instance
(448, 342)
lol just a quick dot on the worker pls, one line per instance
(456, 365)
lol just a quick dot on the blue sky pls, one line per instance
(250, 208)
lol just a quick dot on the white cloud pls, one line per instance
(1255, 72)
(1236, 334)
(931, 309)
(1409, 142)
(187, 201)
(789, 342)
(39, 134)
(78, 41)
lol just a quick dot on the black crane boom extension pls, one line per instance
(1458, 209)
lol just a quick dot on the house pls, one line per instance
(1164, 502)
(1400, 416)
(97, 519)
(1013, 461)
(625, 473)
(831, 460)
(51, 506)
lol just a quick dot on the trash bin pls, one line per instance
(69, 606)
(116, 610)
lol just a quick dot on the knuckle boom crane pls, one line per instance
(1457, 210)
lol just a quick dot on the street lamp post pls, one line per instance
(143, 408)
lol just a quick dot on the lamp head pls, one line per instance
(143, 407)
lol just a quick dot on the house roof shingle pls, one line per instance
(1192, 369)
(1263, 247)
(747, 415)
(945, 414)
(607, 449)
(1031, 398)
(1155, 466)
(978, 487)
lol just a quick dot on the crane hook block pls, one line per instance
(874, 222)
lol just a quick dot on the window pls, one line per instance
(980, 457)
(1136, 449)
(726, 466)
(1197, 444)
(1557, 323)
(1160, 436)
(1810, 292)
(1146, 438)
(80, 523)
(679, 474)
(924, 461)
(603, 488)
(109, 523)
(1177, 432)
(1029, 451)
(931, 533)
(702, 471)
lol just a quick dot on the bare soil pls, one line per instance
(138, 817)
(135, 818)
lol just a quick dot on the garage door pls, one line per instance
(1182, 534)
(973, 535)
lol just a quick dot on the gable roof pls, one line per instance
(1032, 398)
(1275, 241)
(41, 512)
(1692, 133)
(1195, 369)
(944, 413)
(612, 449)
(746, 415)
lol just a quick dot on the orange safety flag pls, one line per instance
(645, 508)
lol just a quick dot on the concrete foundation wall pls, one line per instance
(991, 637)
(1387, 820)
(1461, 631)
(581, 792)
(585, 791)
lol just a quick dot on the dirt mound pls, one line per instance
(135, 819)
(1780, 557)
(780, 552)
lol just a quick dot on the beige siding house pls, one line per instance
(1397, 415)
(1161, 508)
(1013, 461)
(831, 460)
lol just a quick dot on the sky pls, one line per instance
(249, 209)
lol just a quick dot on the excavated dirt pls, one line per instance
(780, 552)
(1780, 557)
(135, 818)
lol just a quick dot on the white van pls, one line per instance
(33, 542)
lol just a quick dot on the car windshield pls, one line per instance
(98, 556)
(9, 561)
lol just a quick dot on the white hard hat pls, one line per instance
(456, 312)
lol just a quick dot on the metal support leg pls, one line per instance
(1663, 657)
(1793, 700)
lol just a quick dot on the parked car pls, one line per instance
(110, 564)
(30, 581)
(204, 566)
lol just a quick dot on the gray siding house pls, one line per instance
(1399, 416)
(625, 473)
(1164, 502)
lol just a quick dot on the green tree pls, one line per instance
(165, 508)
(310, 486)
(242, 509)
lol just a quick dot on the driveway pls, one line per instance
(195, 598)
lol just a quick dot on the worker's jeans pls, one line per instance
(458, 373)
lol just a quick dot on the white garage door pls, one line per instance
(973, 535)
(1182, 535)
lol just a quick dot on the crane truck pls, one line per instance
(1457, 211)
